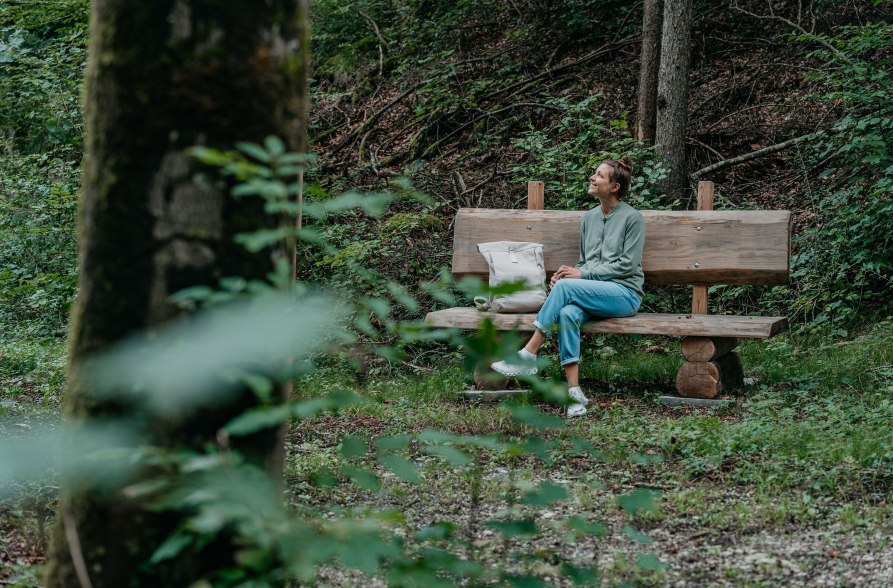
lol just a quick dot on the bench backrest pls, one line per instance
(709, 247)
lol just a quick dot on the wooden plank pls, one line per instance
(709, 247)
(536, 197)
(705, 195)
(699, 292)
(746, 327)
(699, 299)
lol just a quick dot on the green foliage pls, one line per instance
(42, 58)
(576, 144)
(844, 269)
(38, 261)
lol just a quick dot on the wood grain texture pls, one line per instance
(536, 195)
(699, 292)
(746, 327)
(709, 247)
(707, 348)
(707, 379)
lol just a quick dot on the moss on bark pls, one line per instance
(164, 75)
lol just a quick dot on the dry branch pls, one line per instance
(374, 117)
(797, 28)
(755, 154)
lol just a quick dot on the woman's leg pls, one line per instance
(596, 298)
(572, 374)
(536, 341)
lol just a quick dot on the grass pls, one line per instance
(808, 446)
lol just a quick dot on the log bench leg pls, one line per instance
(710, 367)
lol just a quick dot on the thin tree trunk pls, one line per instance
(164, 75)
(652, 23)
(672, 94)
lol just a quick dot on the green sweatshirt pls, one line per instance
(611, 248)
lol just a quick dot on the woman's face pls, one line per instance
(600, 183)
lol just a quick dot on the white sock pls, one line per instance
(524, 354)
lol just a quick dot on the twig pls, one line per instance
(717, 123)
(707, 147)
(417, 367)
(381, 42)
(484, 58)
(796, 27)
(374, 117)
(485, 115)
(606, 48)
(755, 154)
(74, 548)
(479, 184)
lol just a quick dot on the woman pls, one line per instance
(607, 282)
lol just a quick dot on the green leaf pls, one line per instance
(210, 156)
(401, 466)
(649, 561)
(298, 159)
(546, 494)
(539, 447)
(258, 419)
(448, 452)
(440, 530)
(324, 478)
(274, 145)
(530, 415)
(581, 576)
(172, 546)
(392, 443)
(584, 446)
(516, 528)
(362, 478)
(253, 150)
(583, 527)
(640, 499)
(636, 535)
(258, 240)
(352, 446)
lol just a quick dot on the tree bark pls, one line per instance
(162, 76)
(652, 23)
(672, 94)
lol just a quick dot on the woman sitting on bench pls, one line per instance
(606, 283)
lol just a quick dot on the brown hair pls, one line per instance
(621, 170)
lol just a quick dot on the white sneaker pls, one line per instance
(575, 410)
(523, 367)
(578, 408)
(576, 394)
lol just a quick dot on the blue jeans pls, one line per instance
(572, 301)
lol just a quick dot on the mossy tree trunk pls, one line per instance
(652, 23)
(164, 75)
(672, 94)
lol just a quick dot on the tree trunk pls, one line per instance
(164, 75)
(672, 94)
(652, 23)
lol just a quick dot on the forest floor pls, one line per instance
(791, 484)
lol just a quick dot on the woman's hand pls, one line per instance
(565, 271)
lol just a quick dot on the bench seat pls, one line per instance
(685, 325)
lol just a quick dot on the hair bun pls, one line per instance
(625, 163)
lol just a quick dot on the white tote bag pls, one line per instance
(510, 262)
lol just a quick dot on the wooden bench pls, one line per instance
(697, 248)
